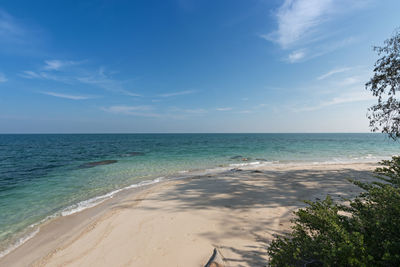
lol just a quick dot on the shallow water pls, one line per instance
(55, 175)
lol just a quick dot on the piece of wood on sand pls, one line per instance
(216, 260)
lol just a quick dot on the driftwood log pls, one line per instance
(216, 260)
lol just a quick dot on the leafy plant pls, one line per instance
(385, 83)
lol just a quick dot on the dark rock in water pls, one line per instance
(257, 171)
(236, 170)
(135, 154)
(97, 163)
(237, 157)
(261, 159)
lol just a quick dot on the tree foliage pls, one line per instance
(364, 233)
(385, 83)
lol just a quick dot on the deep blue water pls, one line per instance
(45, 175)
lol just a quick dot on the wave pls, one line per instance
(19, 242)
(254, 163)
(86, 204)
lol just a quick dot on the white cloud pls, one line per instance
(58, 64)
(298, 19)
(28, 74)
(2, 78)
(296, 56)
(333, 72)
(352, 80)
(186, 92)
(223, 109)
(306, 25)
(67, 96)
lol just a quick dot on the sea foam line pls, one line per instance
(19, 242)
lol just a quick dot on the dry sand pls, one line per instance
(179, 223)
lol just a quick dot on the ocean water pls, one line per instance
(43, 176)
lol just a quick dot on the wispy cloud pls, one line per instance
(352, 80)
(296, 56)
(304, 26)
(104, 81)
(333, 72)
(319, 49)
(10, 30)
(185, 92)
(56, 64)
(67, 96)
(65, 71)
(298, 19)
(345, 98)
(142, 111)
(28, 74)
(18, 37)
(224, 109)
(2, 78)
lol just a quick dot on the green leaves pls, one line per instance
(385, 83)
(365, 233)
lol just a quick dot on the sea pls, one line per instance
(44, 176)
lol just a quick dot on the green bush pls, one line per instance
(364, 233)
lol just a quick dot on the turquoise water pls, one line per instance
(51, 175)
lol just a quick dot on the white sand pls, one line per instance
(178, 223)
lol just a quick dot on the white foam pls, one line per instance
(362, 159)
(245, 164)
(19, 242)
(86, 204)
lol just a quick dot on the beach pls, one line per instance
(199, 133)
(180, 222)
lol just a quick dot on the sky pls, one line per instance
(189, 66)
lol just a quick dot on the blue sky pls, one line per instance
(188, 65)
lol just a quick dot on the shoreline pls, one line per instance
(184, 174)
(55, 234)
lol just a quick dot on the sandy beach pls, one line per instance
(180, 222)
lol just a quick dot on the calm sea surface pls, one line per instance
(42, 176)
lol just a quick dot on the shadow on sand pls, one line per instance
(239, 192)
